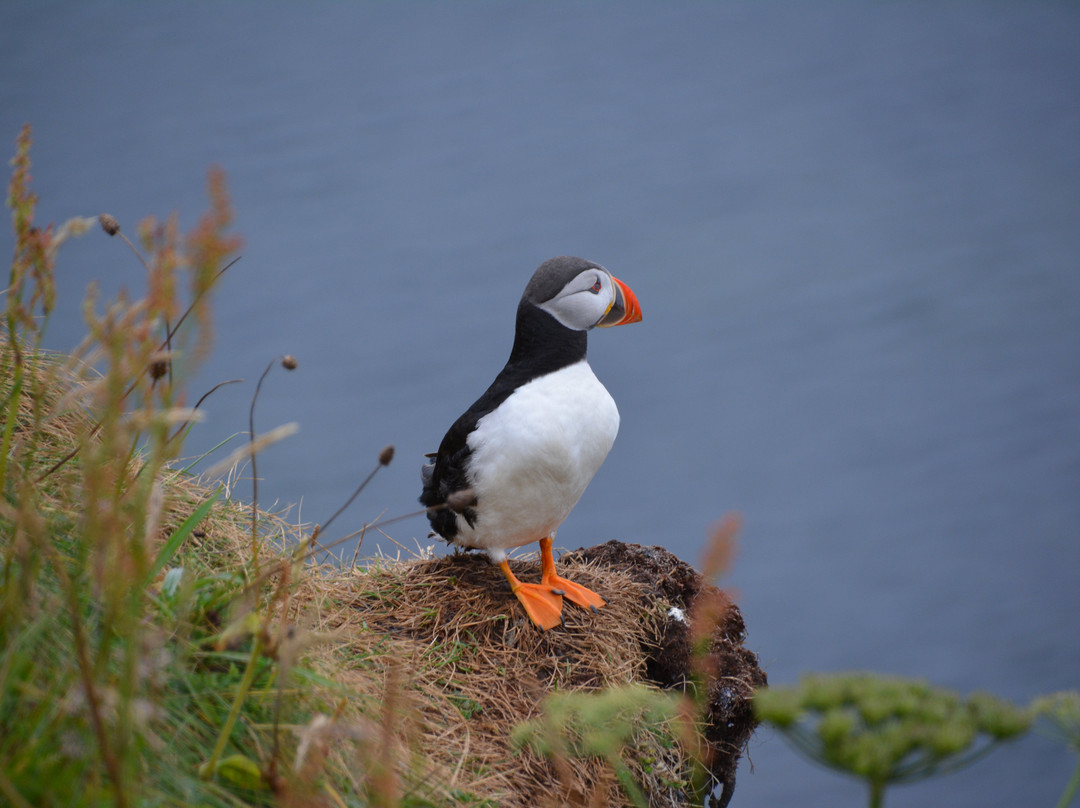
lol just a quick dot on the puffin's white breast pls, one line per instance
(533, 456)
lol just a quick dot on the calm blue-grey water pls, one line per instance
(854, 230)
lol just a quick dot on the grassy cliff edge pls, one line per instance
(163, 643)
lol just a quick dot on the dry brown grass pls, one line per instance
(475, 668)
(443, 664)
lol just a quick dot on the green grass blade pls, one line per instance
(187, 469)
(181, 533)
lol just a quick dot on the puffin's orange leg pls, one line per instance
(575, 593)
(543, 606)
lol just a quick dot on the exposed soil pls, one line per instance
(732, 669)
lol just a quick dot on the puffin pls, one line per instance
(513, 466)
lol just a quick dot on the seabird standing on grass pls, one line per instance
(531, 443)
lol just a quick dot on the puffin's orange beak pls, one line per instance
(624, 310)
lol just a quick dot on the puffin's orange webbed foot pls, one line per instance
(576, 593)
(543, 606)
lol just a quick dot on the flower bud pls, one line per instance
(109, 224)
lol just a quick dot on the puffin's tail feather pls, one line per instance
(444, 520)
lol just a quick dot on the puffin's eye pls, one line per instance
(596, 287)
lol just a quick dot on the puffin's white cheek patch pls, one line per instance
(580, 311)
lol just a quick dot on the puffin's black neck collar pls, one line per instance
(542, 344)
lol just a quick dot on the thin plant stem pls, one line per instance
(168, 330)
(877, 794)
(349, 501)
(198, 404)
(12, 416)
(1070, 788)
(207, 769)
(8, 790)
(93, 702)
(254, 468)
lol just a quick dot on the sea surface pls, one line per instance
(854, 230)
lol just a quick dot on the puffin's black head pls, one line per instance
(581, 294)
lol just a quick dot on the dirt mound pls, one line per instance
(470, 667)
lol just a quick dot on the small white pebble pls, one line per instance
(675, 613)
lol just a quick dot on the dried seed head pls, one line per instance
(158, 368)
(289, 362)
(386, 455)
(109, 224)
(460, 500)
